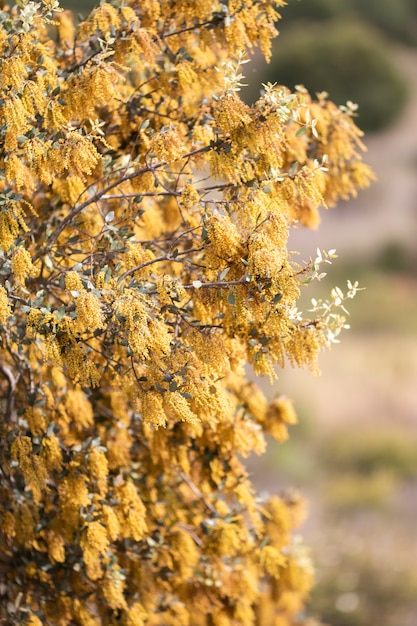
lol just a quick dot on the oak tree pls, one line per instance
(144, 217)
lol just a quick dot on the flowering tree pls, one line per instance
(144, 218)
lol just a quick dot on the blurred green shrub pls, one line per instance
(79, 6)
(394, 258)
(348, 59)
(350, 492)
(397, 18)
(314, 9)
(369, 451)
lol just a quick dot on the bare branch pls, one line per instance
(7, 372)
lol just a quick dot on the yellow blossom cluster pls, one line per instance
(22, 266)
(5, 309)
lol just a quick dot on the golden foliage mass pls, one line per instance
(144, 217)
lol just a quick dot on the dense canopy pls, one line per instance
(144, 217)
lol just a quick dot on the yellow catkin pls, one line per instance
(89, 314)
(56, 546)
(22, 266)
(131, 511)
(272, 560)
(5, 309)
(33, 620)
(66, 29)
(98, 468)
(51, 453)
(136, 615)
(113, 587)
(111, 522)
(73, 281)
(279, 415)
(167, 145)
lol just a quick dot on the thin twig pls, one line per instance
(196, 491)
(99, 195)
(7, 372)
(220, 284)
(159, 259)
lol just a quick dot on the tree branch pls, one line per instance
(7, 372)
(99, 195)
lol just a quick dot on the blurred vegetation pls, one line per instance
(314, 9)
(368, 452)
(365, 589)
(79, 6)
(395, 18)
(349, 59)
(389, 301)
(364, 468)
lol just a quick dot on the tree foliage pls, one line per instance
(144, 217)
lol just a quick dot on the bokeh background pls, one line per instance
(354, 452)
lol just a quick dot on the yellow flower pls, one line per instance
(32, 466)
(113, 587)
(102, 19)
(272, 560)
(98, 467)
(33, 620)
(96, 537)
(66, 29)
(225, 240)
(51, 453)
(78, 408)
(9, 229)
(36, 420)
(136, 615)
(56, 546)
(131, 511)
(180, 408)
(111, 522)
(73, 281)
(167, 145)
(5, 309)
(279, 415)
(152, 409)
(22, 266)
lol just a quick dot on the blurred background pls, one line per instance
(354, 452)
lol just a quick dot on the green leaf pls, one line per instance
(301, 131)
(293, 169)
(107, 274)
(224, 273)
